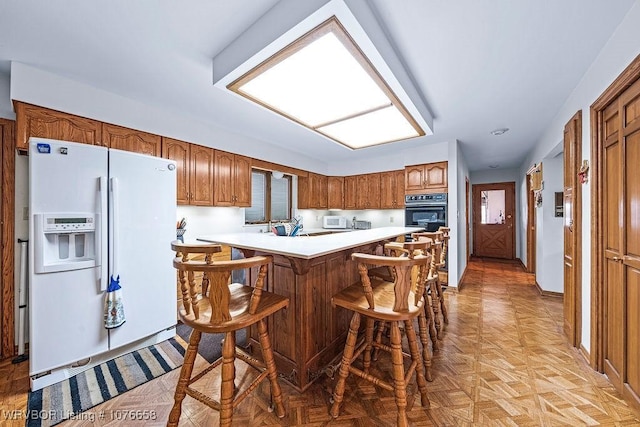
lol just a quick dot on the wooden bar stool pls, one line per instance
(441, 267)
(426, 319)
(225, 308)
(395, 302)
(437, 293)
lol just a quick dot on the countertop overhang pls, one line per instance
(307, 247)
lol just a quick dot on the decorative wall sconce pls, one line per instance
(583, 174)
(537, 195)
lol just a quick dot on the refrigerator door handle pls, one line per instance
(113, 227)
(101, 234)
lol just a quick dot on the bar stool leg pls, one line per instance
(415, 356)
(343, 372)
(267, 355)
(431, 324)
(443, 307)
(368, 337)
(435, 305)
(227, 386)
(185, 376)
(382, 326)
(400, 387)
(424, 340)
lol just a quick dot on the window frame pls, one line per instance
(267, 195)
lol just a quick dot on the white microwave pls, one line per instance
(330, 221)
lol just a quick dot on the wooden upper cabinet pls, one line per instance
(335, 191)
(304, 201)
(232, 180)
(313, 191)
(242, 181)
(42, 122)
(131, 140)
(368, 191)
(319, 190)
(392, 189)
(350, 192)
(427, 178)
(201, 175)
(194, 171)
(414, 178)
(399, 193)
(180, 152)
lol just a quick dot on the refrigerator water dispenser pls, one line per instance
(65, 242)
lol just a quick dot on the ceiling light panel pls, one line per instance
(324, 82)
(377, 127)
(307, 84)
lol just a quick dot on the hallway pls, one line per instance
(504, 361)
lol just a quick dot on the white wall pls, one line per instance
(462, 172)
(614, 57)
(428, 153)
(6, 110)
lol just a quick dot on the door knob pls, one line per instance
(617, 259)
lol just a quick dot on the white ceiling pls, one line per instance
(480, 64)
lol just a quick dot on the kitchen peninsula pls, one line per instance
(308, 335)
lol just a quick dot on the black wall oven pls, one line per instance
(428, 211)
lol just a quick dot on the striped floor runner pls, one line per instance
(52, 405)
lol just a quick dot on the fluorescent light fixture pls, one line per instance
(324, 82)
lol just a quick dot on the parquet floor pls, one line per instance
(504, 362)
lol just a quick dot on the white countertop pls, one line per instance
(307, 247)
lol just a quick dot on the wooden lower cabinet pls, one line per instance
(308, 336)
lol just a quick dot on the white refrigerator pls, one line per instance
(97, 212)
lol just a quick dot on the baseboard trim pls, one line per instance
(548, 293)
(585, 353)
(524, 267)
(461, 282)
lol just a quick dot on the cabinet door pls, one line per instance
(180, 152)
(304, 199)
(335, 192)
(387, 189)
(318, 184)
(201, 178)
(398, 192)
(373, 191)
(350, 193)
(242, 181)
(41, 122)
(361, 191)
(368, 191)
(436, 176)
(414, 178)
(131, 140)
(224, 172)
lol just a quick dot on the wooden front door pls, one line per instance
(621, 237)
(572, 229)
(493, 220)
